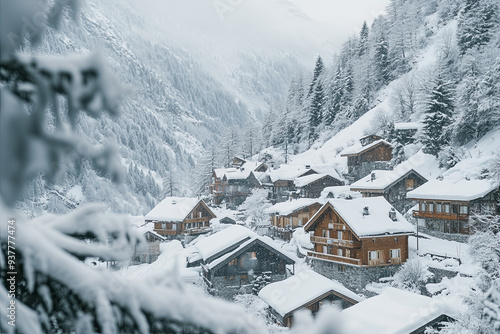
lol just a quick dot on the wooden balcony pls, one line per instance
(441, 215)
(335, 242)
(195, 220)
(335, 258)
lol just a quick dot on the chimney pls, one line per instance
(174, 202)
(392, 215)
(373, 177)
(308, 166)
(366, 211)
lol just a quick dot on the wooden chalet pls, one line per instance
(406, 132)
(238, 162)
(311, 186)
(392, 184)
(216, 186)
(372, 152)
(177, 216)
(286, 216)
(448, 205)
(283, 185)
(150, 250)
(232, 259)
(359, 232)
(233, 185)
(397, 311)
(238, 186)
(305, 290)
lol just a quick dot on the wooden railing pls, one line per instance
(336, 242)
(195, 220)
(335, 258)
(441, 215)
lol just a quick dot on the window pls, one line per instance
(409, 184)
(325, 249)
(253, 255)
(339, 235)
(326, 234)
(233, 262)
(447, 208)
(439, 207)
(423, 206)
(300, 221)
(200, 214)
(373, 255)
(339, 252)
(174, 227)
(431, 207)
(163, 225)
(395, 253)
(330, 225)
(464, 210)
(192, 215)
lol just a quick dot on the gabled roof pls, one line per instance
(175, 209)
(289, 172)
(301, 290)
(156, 235)
(383, 180)
(339, 192)
(357, 148)
(289, 207)
(223, 241)
(376, 223)
(265, 242)
(453, 190)
(394, 311)
(308, 179)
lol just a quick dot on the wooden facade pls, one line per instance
(314, 189)
(233, 191)
(196, 222)
(283, 225)
(284, 189)
(454, 216)
(335, 241)
(239, 267)
(379, 152)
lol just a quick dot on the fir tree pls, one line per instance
(438, 118)
(318, 71)
(476, 24)
(363, 40)
(381, 62)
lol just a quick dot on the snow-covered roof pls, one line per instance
(144, 227)
(286, 208)
(394, 311)
(326, 169)
(220, 172)
(237, 174)
(377, 222)
(263, 240)
(407, 126)
(383, 179)
(296, 291)
(173, 209)
(217, 242)
(453, 190)
(359, 148)
(288, 172)
(339, 192)
(308, 179)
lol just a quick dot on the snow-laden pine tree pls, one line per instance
(44, 279)
(476, 25)
(438, 117)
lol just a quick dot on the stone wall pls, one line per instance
(464, 238)
(353, 277)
